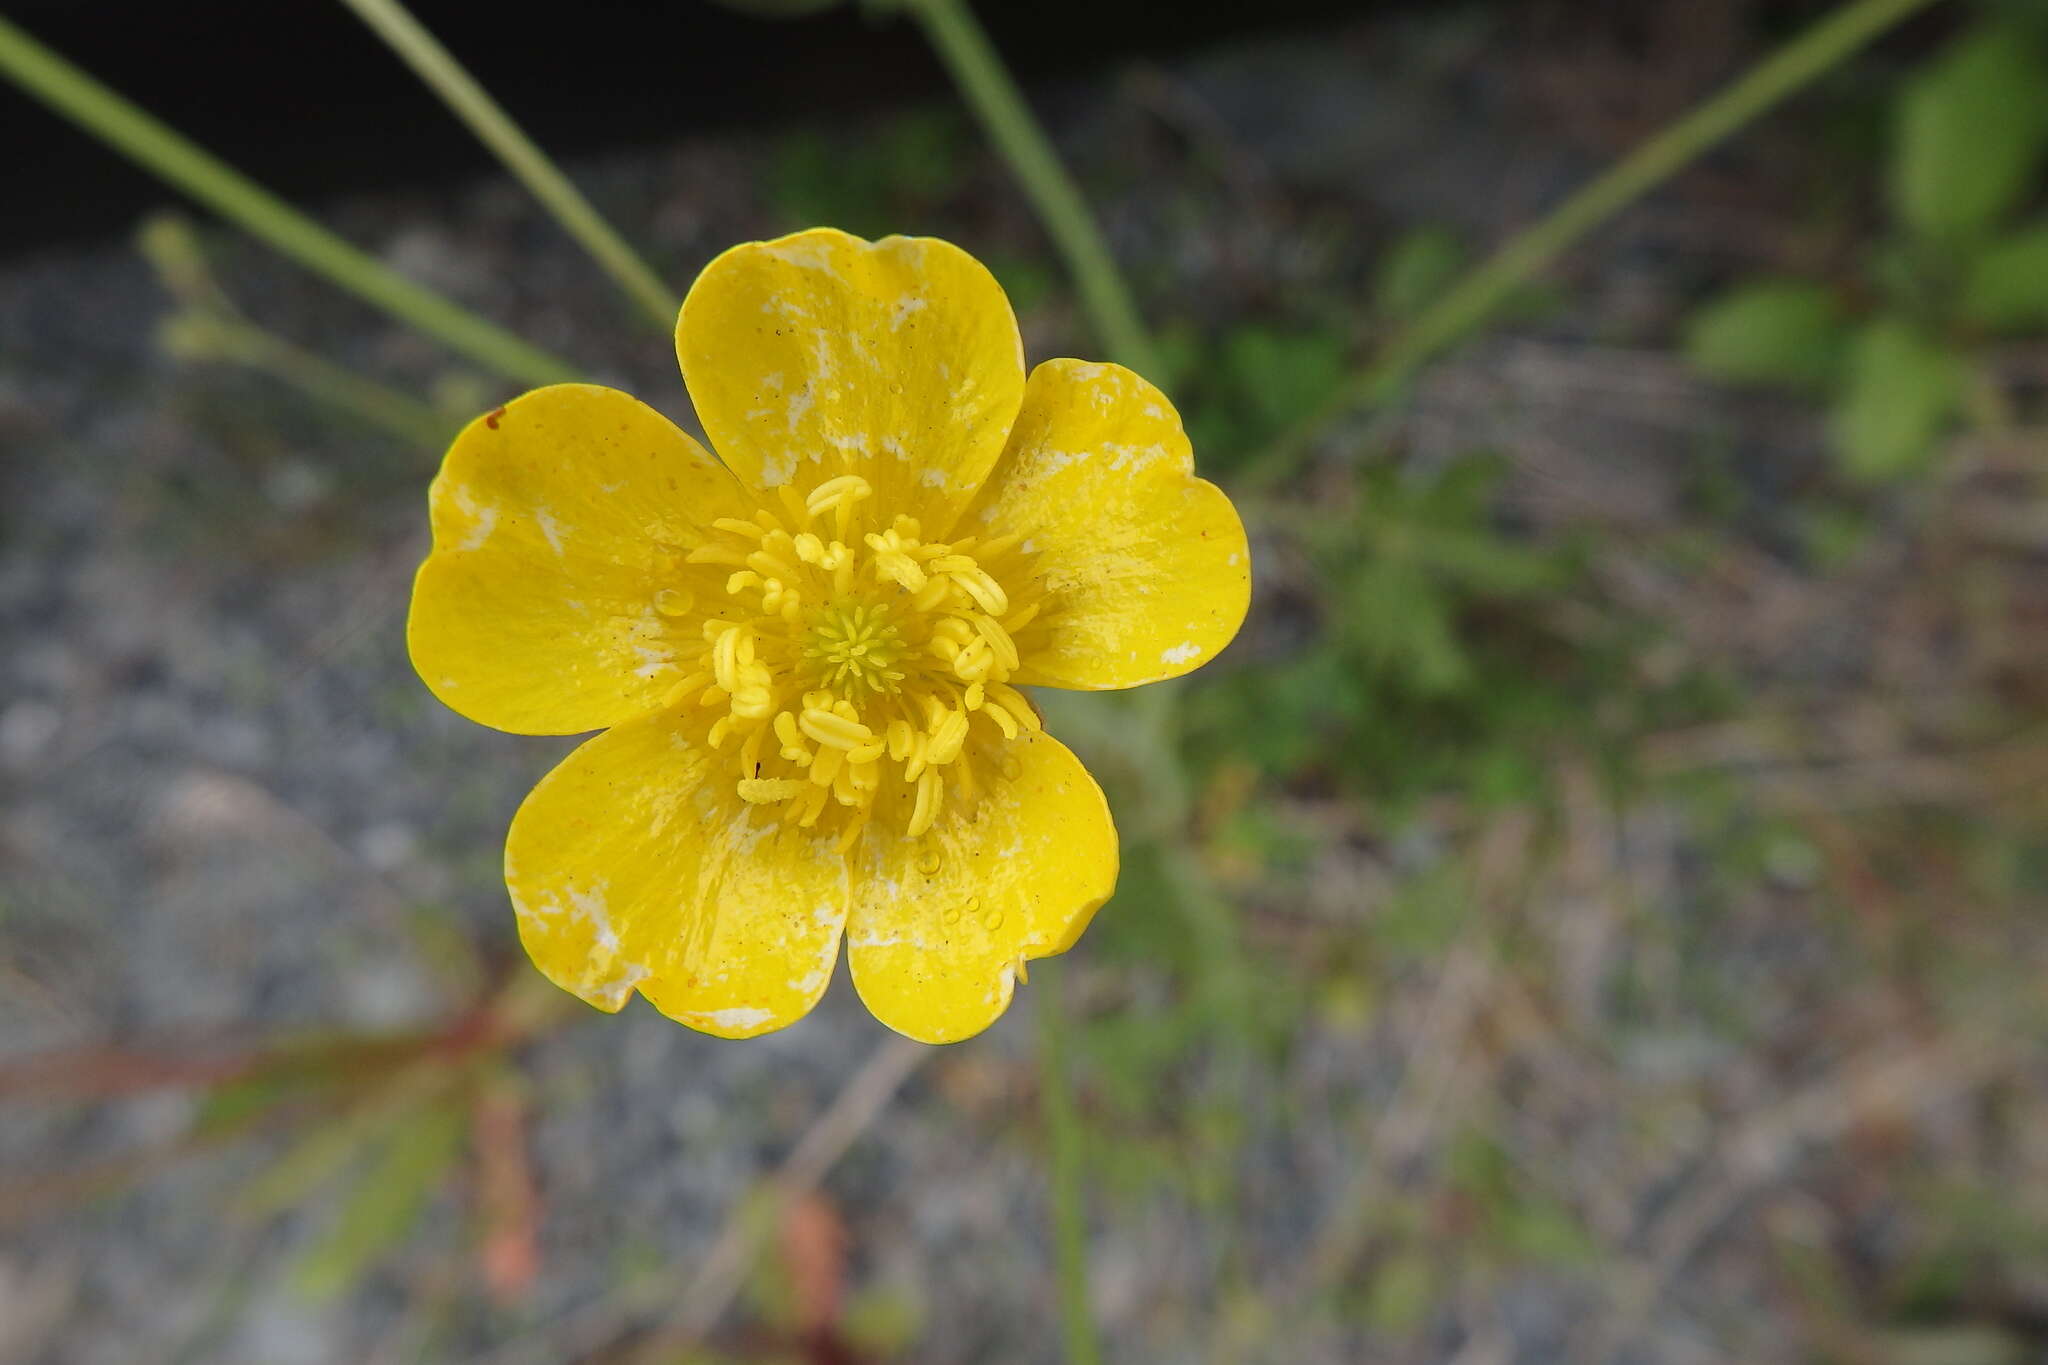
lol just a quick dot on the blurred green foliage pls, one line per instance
(1893, 354)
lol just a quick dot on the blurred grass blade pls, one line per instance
(169, 156)
(201, 337)
(1065, 1137)
(386, 1200)
(990, 92)
(496, 129)
(1476, 297)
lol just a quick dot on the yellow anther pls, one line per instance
(725, 657)
(751, 530)
(793, 747)
(772, 566)
(1017, 704)
(832, 729)
(765, 791)
(947, 737)
(986, 592)
(926, 809)
(842, 491)
(999, 641)
(972, 661)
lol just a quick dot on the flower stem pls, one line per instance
(495, 128)
(208, 336)
(1064, 1136)
(198, 173)
(986, 85)
(1475, 298)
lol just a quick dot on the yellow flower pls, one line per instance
(806, 660)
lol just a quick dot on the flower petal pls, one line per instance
(1146, 566)
(942, 925)
(821, 354)
(634, 867)
(557, 520)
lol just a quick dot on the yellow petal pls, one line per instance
(633, 866)
(537, 610)
(1146, 567)
(820, 354)
(941, 924)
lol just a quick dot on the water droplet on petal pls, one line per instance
(992, 921)
(951, 915)
(669, 602)
(928, 861)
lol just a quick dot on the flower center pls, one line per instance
(855, 646)
(853, 670)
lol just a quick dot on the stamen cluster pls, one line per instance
(853, 668)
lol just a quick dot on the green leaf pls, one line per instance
(1972, 127)
(1903, 388)
(382, 1207)
(1281, 375)
(1788, 332)
(1414, 271)
(2007, 287)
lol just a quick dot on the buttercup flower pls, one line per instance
(805, 661)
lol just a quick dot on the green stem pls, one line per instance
(1064, 1136)
(986, 85)
(495, 128)
(215, 337)
(171, 157)
(1475, 297)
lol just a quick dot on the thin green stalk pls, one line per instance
(190, 168)
(1474, 298)
(495, 128)
(202, 336)
(986, 85)
(1063, 1134)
